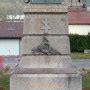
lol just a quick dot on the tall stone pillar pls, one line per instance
(45, 62)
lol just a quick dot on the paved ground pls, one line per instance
(82, 63)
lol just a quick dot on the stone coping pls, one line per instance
(45, 54)
(45, 71)
(36, 8)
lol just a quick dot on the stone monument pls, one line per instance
(45, 59)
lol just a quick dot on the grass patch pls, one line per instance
(4, 81)
(86, 80)
(80, 56)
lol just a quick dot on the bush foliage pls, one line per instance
(79, 42)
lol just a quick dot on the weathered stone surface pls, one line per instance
(45, 61)
(59, 43)
(75, 82)
(34, 22)
(45, 82)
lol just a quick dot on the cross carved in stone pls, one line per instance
(45, 26)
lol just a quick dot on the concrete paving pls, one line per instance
(81, 63)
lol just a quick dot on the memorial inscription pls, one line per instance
(48, 85)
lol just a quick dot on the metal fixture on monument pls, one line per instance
(45, 55)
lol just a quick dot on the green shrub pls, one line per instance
(79, 42)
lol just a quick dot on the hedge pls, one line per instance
(88, 41)
(79, 42)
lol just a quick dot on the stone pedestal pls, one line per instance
(46, 82)
(45, 62)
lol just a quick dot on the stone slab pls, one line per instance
(57, 23)
(42, 8)
(59, 43)
(21, 70)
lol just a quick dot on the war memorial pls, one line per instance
(45, 55)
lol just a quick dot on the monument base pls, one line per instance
(45, 82)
